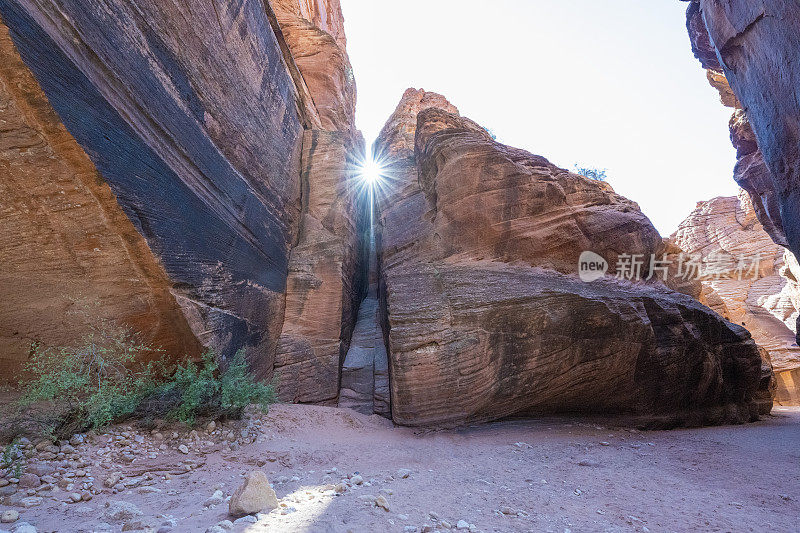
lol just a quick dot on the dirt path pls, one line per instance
(545, 475)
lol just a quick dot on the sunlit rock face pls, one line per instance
(325, 280)
(766, 302)
(486, 316)
(202, 174)
(314, 33)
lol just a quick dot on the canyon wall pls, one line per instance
(138, 175)
(749, 50)
(724, 231)
(751, 171)
(479, 248)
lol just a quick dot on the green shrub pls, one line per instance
(202, 391)
(93, 383)
(101, 381)
(592, 173)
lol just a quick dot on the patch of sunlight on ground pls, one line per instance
(302, 509)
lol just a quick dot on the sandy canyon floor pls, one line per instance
(330, 466)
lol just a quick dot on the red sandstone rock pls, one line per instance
(479, 249)
(323, 284)
(65, 238)
(767, 302)
(314, 33)
(210, 184)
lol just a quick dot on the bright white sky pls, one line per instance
(609, 84)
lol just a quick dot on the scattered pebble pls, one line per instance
(381, 502)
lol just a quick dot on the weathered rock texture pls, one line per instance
(324, 282)
(755, 45)
(314, 33)
(204, 166)
(765, 301)
(486, 318)
(65, 237)
(325, 267)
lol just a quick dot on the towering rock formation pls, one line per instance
(486, 317)
(766, 300)
(198, 167)
(749, 50)
(326, 263)
(65, 238)
(751, 171)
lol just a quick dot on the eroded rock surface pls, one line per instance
(765, 300)
(201, 188)
(479, 249)
(66, 243)
(749, 50)
(324, 282)
(206, 166)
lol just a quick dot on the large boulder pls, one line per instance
(750, 280)
(486, 316)
(253, 496)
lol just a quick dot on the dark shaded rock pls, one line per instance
(756, 45)
(204, 165)
(66, 244)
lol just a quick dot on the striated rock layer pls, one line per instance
(324, 279)
(479, 246)
(749, 50)
(66, 244)
(765, 301)
(206, 164)
(326, 264)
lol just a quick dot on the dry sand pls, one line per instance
(555, 475)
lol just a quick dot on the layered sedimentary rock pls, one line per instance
(325, 267)
(204, 166)
(314, 33)
(752, 281)
(66, 243)
(755, 46)
(324, 283)
(479, 247)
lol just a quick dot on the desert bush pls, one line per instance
(92, 384)
(592, 173)
(12, 460)
(101, 380)
(203, 391)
